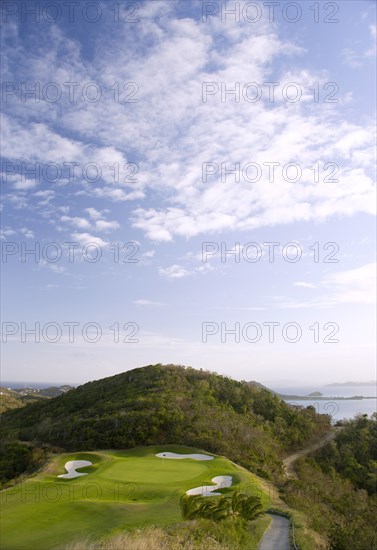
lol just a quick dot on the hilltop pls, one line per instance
(168, 404)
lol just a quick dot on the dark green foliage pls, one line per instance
(245, 507)
(161, 404)
(333, 487)
(16, 458)
(353, 454)
(239, 507)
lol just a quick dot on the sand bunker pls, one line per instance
(208, 490)
(194, 456)
(71, 468)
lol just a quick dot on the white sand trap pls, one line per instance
(208, 490)
(194, 456)
(71, 467)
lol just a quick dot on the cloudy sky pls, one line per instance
(196, 180)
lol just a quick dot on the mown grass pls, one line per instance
(124, 490)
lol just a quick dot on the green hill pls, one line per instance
(167, 404)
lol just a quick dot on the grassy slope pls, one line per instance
(191, 535)
(124, 490)
(9, 400)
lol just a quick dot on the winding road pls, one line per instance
(276, 536)
(288, 462)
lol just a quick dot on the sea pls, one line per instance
(36, 385)
(337, 409)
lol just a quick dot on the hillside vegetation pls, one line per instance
(16, 398)
(337, 487)
(164, 405)
(9, 399)
(170, 404)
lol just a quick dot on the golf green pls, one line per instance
(122, 490)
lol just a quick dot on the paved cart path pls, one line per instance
(276, 536)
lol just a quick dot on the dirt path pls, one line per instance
(291, 459)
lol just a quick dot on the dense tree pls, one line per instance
(337, 487)
(353, 454)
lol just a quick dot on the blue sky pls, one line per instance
(130, 137)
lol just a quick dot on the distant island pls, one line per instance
(350, 383)
(317, 395)
(320, 397)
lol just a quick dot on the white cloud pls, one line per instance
(304, 284)
(80, 223)
(102, 225)
(144, 302)
(86, 238)
(174, 132)
(46, 196)
(99, 225)
(25, 184)
(47, 155)
(93, 213)
(59, 269)
(356, 59)
(115, 194)
(28, 233)
(174, 272)
(7, 232)
(149, 254)
(353, 285)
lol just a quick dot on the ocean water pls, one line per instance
(337, 409)
(330, 391)
(35, 385)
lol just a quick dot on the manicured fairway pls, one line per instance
(123, 490)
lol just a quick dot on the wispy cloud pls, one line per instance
(356, 59)
(174, 272)
(352, 286)
(145, 302)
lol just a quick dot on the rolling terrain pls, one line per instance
(170, 404)
(129, 496)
